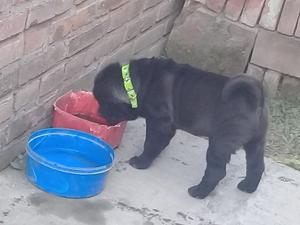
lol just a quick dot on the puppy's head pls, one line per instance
(111, 95)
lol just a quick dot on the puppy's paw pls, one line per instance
(247, 186)
(139, 162)
(199, 191)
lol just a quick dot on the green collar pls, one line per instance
(129, 86)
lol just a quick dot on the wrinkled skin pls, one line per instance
(230, 112)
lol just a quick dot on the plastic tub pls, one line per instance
(79, 111)
(68, 163)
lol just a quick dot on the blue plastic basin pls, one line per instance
(68, 163)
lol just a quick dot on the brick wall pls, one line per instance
(51, 46)
(275, 49)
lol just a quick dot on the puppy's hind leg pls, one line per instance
(159, 132)
(217, 156)
(255, 165)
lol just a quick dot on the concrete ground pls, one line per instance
(159, 195)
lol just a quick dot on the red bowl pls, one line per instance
(79, 111)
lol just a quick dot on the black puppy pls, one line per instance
(231, 112)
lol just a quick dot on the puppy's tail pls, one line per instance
(246, 87)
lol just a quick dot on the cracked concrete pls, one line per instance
(159, 195)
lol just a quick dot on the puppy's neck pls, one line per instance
(140, 73)
(119, 91)
(134, 75)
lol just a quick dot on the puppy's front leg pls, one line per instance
(159, 132)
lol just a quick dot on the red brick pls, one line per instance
(47, 10)
(251, 12)
(105, 46)
(105, 62)
(27, 95)
(35, 38)
(11, 50)
(134, 8)
(158, 47)
(40, 116)
(288, 20)
(271, 13)
(201, 1)
(118, 18)
(277, 52)
(83, 16)
(63, 27)
(133, 29)
(114, 4)
(116, 38)
(31, 68)
(16, 2)
(12, 25)
(60, 29)
(39, 14)
(91, 71)
(102, 8)
(83, 82)
(5, 4)
(149, 38)
(17, 128)
(215, 5)
(48, 99)
(150, 3)
(9, 78)
(148, 19)
(166, 8)
(234, 8)
(87, 38)
(60, 6)
(11, 151)
(77, 2)
(123, 54)
(6, 107)
(75, 65)
(96, 51)
(52, 79)
(35, 65)
(54, 54)
(152, 51)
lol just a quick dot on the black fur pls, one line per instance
(231, 112)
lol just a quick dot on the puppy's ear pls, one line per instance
(120, 95)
